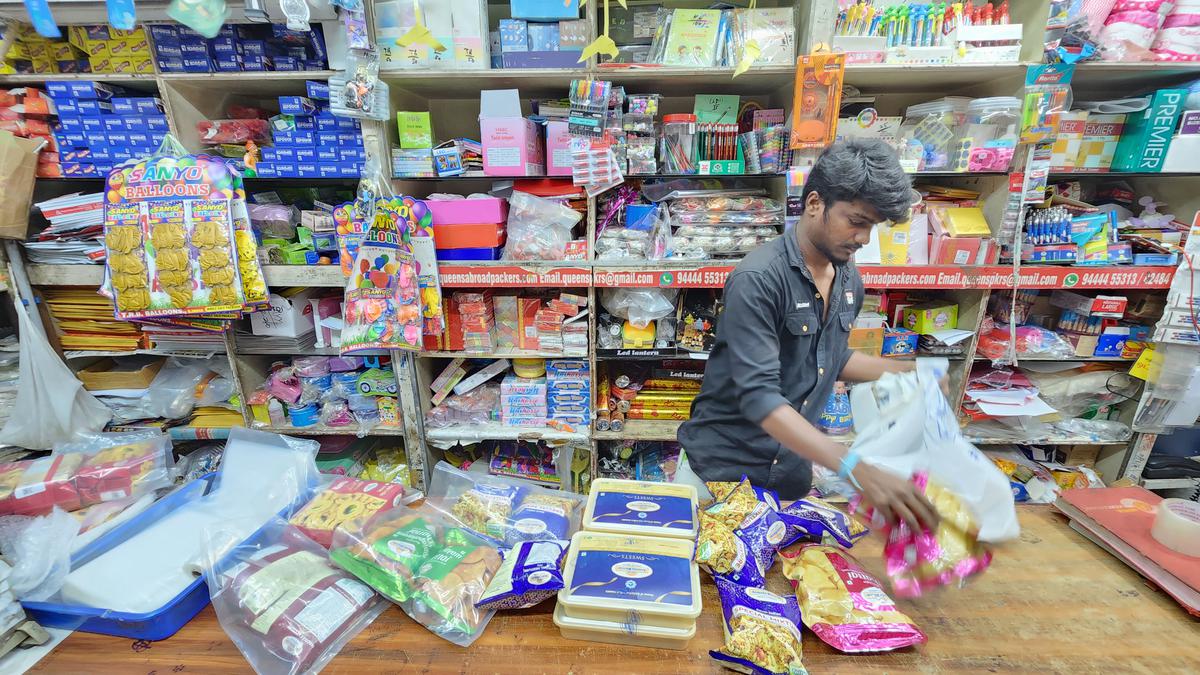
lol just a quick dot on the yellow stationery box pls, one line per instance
(964, 221)
(130, 373)
(893, 243)
(930, 317)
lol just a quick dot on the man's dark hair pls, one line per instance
(862, 169)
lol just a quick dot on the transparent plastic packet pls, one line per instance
(538, 229)
(114, 466)
(39, 549)
(343, 500)
(503, 510)
(639, 305)
(283, 603)
(424, 562)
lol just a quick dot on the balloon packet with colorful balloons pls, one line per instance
(425, 255)
(351, 230)
(382, 300)
(170, 238)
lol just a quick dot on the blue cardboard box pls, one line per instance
(327, 153)
(173, 50)
(138, 139)
(164, 34)
(117, 139)
(197, 64)
(297, 105)
(112, 123)
(170, 64)
(899, 342)
(137, 105)
(349, 169)
(92, 125)
(544, 10)
(267, 155)
(349, 139)
(71, 140)
(285, 169)
(121, 154)
(329, 170)
(256, 62)
(81, 90)
(69, 124)
(307, 169)
(326, 124)
(284, 154)
(514, 35)
(543, 37)
(286, 63)
(93, 107)
(351, 154)
(265, 169)
(305, 123)
(316, 90)
(253, 48)
(348, 124)
(227, 63)
(157, 123)
(193, 48)
(306, 155)
(66, 106)
(222, 45)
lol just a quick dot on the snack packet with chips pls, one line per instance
(762, 631)
(812, 519)
(531, 572)
(737, 504)
(918, 562)
(720, 491)
(724, 554)
(843, 604)
(763, 532)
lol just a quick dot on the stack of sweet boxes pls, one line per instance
(309, 141)
(478, 321)
(100, 126)
(87, 49)
(568, 393)
(28, 113)
(243, 47)
(523, 401)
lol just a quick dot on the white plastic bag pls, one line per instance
(639, 305)
(283, 603)
(886, 421)
(52, 405)
(39, 549)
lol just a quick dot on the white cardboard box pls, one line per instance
(284, 316)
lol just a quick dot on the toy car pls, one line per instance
(377, 382)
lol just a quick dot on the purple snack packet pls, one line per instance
(762, 631)
(811, 519)
(531, 572)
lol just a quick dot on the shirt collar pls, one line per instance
(796, 258)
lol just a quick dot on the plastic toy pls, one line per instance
(377, 382)
(818, 97)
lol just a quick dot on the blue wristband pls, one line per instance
(846, 471)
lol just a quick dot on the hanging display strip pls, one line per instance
(916, 277)
(179, 241)
(512, 276)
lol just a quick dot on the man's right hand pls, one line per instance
(895, 498)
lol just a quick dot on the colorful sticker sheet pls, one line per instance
(383, 301)
(174, 243)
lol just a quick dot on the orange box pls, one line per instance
(866, 340)
(527, 334)
(469, 235)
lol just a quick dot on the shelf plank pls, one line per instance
(496, 431)
(513, 274)
(502, 354)
(642, 430)
(322, 430)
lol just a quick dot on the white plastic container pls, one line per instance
(632, 582)
(641, 508)
(621, 634)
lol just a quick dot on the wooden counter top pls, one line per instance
(1052, 602)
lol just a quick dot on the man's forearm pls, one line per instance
(864, 368)
(795, 433)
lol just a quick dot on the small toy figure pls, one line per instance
(358, 91)
(250, 159)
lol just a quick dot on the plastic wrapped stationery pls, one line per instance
(503, 510)
(144, 579)
(423, 561)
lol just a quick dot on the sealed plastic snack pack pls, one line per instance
(99, 467)
(345, 499)
(502, 509)
(421, 560)
(762, 631)
(843, 604)
(284, 605)
(720, 491)
(538, 229)
(531, 573)
(921, 561)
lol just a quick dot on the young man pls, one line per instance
(782, 343)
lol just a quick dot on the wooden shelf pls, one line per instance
(496, 431)
(642, 430)
(503, 354)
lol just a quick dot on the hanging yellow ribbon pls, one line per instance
(603, 44)
(751, 51)
(420, 35)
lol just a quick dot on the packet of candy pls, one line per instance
(762, 631)
(920, 561)
(530, 573)
(720, 491)
(843, 604)
(813, 519)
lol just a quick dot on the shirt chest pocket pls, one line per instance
(847, 319)
(802, 323)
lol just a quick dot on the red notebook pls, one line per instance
(1121, 518)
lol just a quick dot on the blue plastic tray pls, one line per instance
(157, 625)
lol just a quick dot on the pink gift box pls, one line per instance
(512, 144)
(469, 211)
(558, 149)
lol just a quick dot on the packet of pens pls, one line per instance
(1047, 97)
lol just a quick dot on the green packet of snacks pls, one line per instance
(388, 553)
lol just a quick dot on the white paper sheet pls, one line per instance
(1031, 406)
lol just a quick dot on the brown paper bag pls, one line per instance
(18, 164)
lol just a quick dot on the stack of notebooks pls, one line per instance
(85, 322)
(278, 343)
(186, 335)
(1119, 520)
(76, 231)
